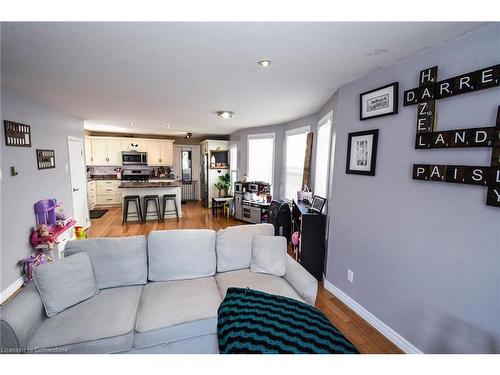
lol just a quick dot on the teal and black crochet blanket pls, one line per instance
(250, 321)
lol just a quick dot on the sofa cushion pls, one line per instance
(116, 261)
(177, 310)
(234, 245)
(102, 324)
(181, 254)
(269, 255)
(65, 283)
(258, 281)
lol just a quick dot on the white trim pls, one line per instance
(326, 120)
(303, 129)
(262, 136)
(375, 322)
(11, 289)
(80, 140)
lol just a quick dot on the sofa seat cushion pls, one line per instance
(101, 324)
(175, 310)
(258, 281)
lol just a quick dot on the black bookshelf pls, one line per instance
(312, 227)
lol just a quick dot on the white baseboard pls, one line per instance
(375, 322)
(11, 289)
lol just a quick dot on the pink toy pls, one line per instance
(295, 239)
(30, 263)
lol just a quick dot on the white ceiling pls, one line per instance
(154, 74)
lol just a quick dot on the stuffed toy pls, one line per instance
(43, 232)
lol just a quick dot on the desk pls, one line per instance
(219, 203)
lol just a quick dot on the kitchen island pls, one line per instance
(142, 188)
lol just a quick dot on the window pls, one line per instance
(295, 152)
(261, 157)
(233, 164)
(323, 156)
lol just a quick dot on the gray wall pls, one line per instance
(240, 138)
(425, 255)
(50, 129)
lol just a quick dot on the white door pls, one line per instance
(78, 181)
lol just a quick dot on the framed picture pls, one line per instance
(362, 152)
(45, 159)
(379, 102)
(317, 204)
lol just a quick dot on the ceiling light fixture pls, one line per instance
(132, 123)
(265, 63)
(188, 135)
(225, 114)
(168, 126)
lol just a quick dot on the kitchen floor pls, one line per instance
(366, 338)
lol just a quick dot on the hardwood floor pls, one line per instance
(366, 338)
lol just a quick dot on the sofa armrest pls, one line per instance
(302, 281)
(20, 318)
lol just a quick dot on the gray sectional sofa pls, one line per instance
(158, 294)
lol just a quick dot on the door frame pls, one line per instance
(82, 142)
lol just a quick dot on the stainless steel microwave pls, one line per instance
(134, 158)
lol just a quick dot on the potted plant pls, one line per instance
(223, 184)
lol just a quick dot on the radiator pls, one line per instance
(188, 191)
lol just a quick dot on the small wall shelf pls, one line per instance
(219, 159)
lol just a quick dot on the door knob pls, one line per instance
(75, 189)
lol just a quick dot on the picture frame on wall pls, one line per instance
(362, 152)
(382, 101)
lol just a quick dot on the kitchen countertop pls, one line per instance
(148, 185)
(96, 177)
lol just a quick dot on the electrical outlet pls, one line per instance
(350, 275)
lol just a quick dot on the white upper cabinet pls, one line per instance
(160, 152)
(114, 147)
(108, 150)
(99, 151)
(142, 144)
(104, 151)
(88, 151)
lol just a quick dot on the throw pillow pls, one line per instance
(269, 255)
(65, 283)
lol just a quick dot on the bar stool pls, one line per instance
(126, 203)
(156, 200)
(169, 197)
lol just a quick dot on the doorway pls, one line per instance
(78, 181)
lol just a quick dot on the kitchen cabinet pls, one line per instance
(91, 194)
(160, 152)
(141, 143)
(99, 151)
(108, 192)
(106, 151)
(88, 151)
(114, 148)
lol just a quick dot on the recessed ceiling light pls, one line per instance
(132, 123)
(225, 114)
(168, 126)
(265, 63)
